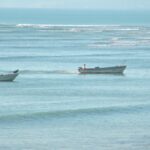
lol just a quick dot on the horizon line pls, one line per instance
(92, 9)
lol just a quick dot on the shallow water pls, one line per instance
(51, 106)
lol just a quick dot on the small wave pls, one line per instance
(124, 43)
(31, 56)
(124, 29)
(49, 26)
(33, 25)
(64, 25)
(121, 42)
(68, 28)
(79, 27)
(98, 45)
(82, 111)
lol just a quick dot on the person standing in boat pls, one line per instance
(84, 66)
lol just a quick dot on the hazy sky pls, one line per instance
(78, 4)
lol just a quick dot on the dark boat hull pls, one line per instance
(105, 70)
(9, 76)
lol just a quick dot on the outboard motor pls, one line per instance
(16, 71)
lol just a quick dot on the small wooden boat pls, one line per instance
(103, 70)
(9, 76)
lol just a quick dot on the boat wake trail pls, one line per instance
(48, 72)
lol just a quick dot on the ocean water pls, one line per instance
(50, 106)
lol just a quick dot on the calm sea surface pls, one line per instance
(50, 106)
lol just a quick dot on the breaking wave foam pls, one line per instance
(79, 28)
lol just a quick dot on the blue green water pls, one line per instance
(50, 106)
(48, 16)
